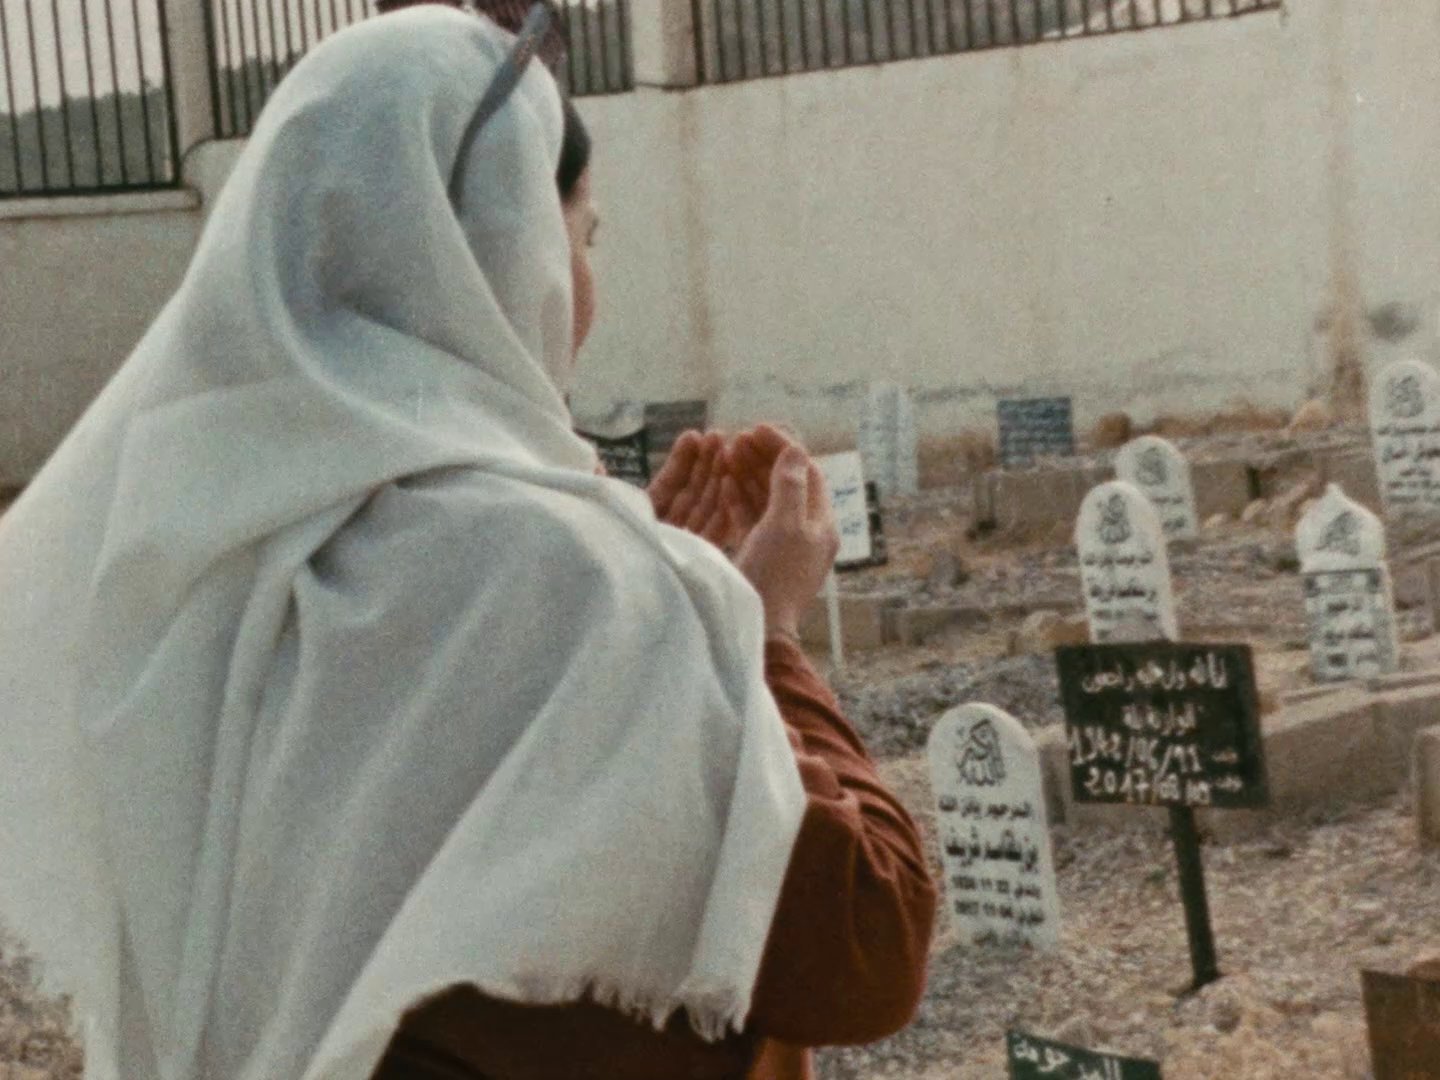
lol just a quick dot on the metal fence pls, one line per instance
(86, 102)
(598, 60)
(750, 39)
(254, 43)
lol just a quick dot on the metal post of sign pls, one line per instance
(1192, 896)
(832, 611)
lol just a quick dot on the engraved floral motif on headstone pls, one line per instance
(1341, 536)
(1349, 599)
(981, 762)
(994, 829)
(1158, 468)
(1114, 527)
(1151, 470)
(1404, 397)
(1405, 433)
(1124, 568)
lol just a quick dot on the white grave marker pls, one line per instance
(1405, 426)
(845, 478)
(994, 833)
(1348, 595)
(888, 440)
(1124, 567)
(1158, 468)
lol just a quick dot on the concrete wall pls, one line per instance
(82, 279)
(1155, 221)
(1166, 221)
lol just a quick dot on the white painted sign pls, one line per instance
(1124, 567)
(994, 833)
(1158, 468)
(845, 478)
(888, 440)
(1349, 598)
(1405, 427)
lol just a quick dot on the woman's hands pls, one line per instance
(761, 497)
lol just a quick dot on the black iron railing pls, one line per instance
(254, 43)
(749, 39)
(598, 58)
(86, 103)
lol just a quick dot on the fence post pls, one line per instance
(192, 94)
(663, 43)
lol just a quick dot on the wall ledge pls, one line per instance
(120, 202)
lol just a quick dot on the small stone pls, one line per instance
(1216, 521)
(1111, 431)
(946, 572)
(1254, 512)
(1425, 966)
(1315, 415)
(1043, 630)
(1284, 510)
(1075, 1031)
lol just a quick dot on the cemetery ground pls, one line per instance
(1298, 909)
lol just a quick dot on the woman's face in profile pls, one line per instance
(581, 221)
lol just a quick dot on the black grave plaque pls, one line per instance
(1033, 428)
(1163, 724)
(1040, 1059)
(625, 458)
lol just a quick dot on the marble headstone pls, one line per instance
(888, 440)
(1158, 468)
(994, 832)
(1405, 427)
(845, 478)
(1349, 599)
(1124, 567)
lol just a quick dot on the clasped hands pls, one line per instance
(761, 498)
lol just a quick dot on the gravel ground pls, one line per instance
(1297, 914)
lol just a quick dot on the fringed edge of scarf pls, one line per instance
(714, 1012)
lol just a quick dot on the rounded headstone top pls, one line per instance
(989, 728)
(1150, 461)
(1338, 533)
(1117, 514)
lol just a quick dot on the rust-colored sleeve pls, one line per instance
(845, 959)
(844, 962)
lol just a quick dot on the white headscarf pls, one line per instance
(329, 675)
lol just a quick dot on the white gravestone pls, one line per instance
(888, 440)
(1405, 427)
(1158, 468)
(994, 833)
(845, 479)
(1124, 567)
(1349, 600)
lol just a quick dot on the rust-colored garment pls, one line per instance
(844, 962)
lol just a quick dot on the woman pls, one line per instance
(341, 696)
